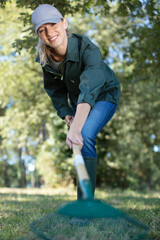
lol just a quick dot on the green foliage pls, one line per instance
(71, 7)
(127, 33)
(8, 174)
(52, 167)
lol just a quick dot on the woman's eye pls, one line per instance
(53, 24)
(40, 31)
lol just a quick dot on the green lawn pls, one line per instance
(19, 207)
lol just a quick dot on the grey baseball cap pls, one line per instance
(45, 13)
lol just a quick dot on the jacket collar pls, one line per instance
(72, 50)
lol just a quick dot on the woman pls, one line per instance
(83, 89)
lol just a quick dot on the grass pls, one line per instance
(20, 207)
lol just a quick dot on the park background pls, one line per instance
(37, 172)
(33, 152)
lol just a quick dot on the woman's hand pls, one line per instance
(68, 120)
(74, 137)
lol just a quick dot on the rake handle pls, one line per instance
(83, 177)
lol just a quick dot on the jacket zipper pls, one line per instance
(62, 68)
(50, 71)
(56, 72)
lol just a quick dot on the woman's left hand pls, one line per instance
(74, 137)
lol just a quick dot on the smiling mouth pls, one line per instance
(53, 38)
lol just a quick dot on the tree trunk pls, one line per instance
(44, 131)
(5, 174)
(22, 170)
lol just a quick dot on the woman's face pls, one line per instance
(54, 34)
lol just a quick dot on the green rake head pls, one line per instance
(89, 208)
(93, 208)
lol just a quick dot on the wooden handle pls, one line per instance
(76, 149)
(79, 164)
(83, 177)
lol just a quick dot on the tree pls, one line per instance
(123, 31)
(20, 122)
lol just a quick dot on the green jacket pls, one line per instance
(85, 78)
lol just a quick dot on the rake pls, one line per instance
(88, 207)
(112, 219)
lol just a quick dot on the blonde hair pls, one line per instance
(45, 50)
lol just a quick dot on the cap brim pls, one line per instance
(53, 20)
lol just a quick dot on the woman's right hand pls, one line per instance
(68, 120)
(74, 137)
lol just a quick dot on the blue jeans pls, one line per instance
(98, 117)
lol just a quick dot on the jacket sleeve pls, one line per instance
(57, 91)
(92, 79)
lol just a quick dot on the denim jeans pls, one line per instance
(98, 117)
